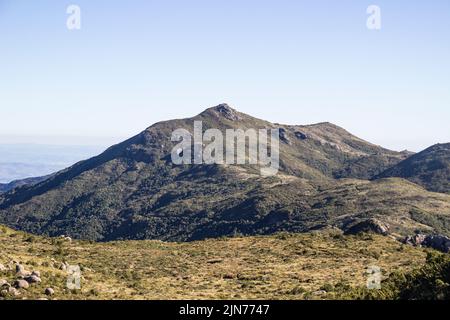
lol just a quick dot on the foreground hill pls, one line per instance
(133, 191)
(429, 168)
(324, 265)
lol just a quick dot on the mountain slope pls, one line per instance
(133, 191)
(429, 168)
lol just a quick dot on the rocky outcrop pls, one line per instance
(369, 225)
(228, 113)
(437, 242)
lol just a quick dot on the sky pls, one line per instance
(134, 63)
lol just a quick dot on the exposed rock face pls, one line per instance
(441, 243)
(301, 135)
(370, 225)
(415, 240)
(437, 242)
(227, 112)
(283, 136)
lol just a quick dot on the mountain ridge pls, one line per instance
(134, 191)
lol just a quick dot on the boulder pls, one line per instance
(20, 268)
(301, 135)
(438, 242)
(33, 279)
(415, 240)
(13, 291)
(369, 225)
(319, 293)
(283, 136)
(21, 284)
(2, 267)
(36, 273)
(49, 291)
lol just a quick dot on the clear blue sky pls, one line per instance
(134, 63)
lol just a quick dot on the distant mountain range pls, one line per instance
(328, 178)
(4, 187)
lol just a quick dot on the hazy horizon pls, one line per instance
(292, 62)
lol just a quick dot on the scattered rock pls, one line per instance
(214, 261)
(415, 240)
(62, 266)
(49, 291)
(437, 242)
(319, 293)
(21, 284)
(283, 136)
(33, 279)
(36, 273)
(2, 267)
(301, 135)
(20, 268)
(13, 291)
(370, 225)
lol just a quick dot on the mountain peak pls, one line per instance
(223, 110)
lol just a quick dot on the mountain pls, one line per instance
(134, 191)
(429, 168)
(4, 187)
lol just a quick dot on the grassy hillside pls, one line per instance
(429, 168)
(282, 266)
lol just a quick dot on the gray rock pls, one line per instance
(33, 279)
(369, 225)
(49, 291)
(228, 113)
(21, 284)
(36, 273)
(283, 136)
(22, 274)
(13, 291)
(20, 268)
(415, 240)
(301, 135)
(438, 242)
(3, 283)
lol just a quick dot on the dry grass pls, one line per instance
(282, 266)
